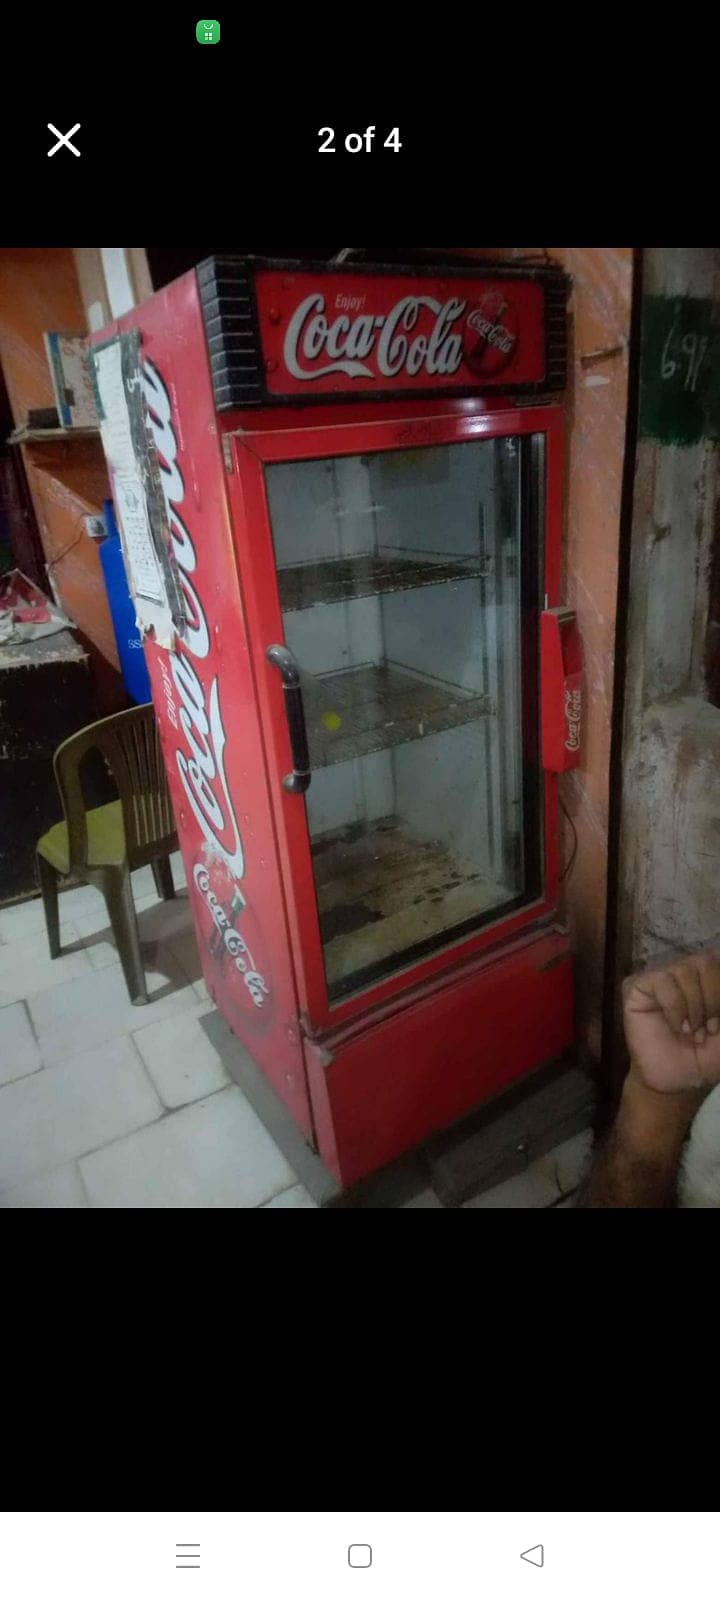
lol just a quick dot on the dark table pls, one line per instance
(46, 693)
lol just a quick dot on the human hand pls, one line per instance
(672, 1024)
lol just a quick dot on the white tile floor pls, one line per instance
(116, 1106)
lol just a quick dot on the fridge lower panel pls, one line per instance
(378, 1091)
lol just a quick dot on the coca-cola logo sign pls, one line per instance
(491, 334)
(376, 333)
(318, 345)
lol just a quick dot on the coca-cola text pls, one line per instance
(573, 718)
(201, 764)
(392, 340)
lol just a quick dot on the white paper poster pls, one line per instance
(139, 548)
(145, 574)
(115, 424)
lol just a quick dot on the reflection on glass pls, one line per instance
(401, 584)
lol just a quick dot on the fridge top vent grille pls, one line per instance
(240, 368)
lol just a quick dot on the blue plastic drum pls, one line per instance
(122, 610)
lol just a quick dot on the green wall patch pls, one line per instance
(680, 370)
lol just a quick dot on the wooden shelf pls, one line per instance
(356, 713)
(51, 435)
(353, 578)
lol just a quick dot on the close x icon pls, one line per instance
(63, 140)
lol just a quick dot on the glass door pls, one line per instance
(409, 583)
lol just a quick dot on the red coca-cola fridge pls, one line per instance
(340, 496)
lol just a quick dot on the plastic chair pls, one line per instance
(104, 845)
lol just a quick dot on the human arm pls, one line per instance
(672, 1028)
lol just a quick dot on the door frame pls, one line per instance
(298, 436)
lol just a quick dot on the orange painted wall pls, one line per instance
(599, 311)
(39, 292)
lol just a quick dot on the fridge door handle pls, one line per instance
(298, 781)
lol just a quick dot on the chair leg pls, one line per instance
(117, 890)
(162, 873)
(49, 889)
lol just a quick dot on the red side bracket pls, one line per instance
(562, 691)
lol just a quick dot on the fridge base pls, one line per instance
(382, 890)
(271, 1111)
(383, 1086)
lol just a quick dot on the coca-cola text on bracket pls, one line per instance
(573, 718)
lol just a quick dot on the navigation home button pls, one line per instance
(360, 1555)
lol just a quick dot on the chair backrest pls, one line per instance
(130, 745)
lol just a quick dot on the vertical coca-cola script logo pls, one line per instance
(236, 942)
(201, 763)
(573, 718)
